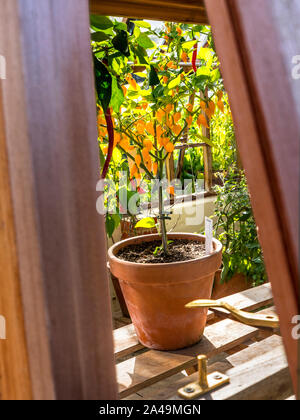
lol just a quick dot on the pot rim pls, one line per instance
(121, 244)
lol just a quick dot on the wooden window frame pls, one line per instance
(267, 128)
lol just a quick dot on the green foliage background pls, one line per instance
(236, 229)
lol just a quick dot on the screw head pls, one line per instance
(217, 376)
(189, 390)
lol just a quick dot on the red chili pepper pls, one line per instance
(111, 136)
(111, 139)
(194, 57)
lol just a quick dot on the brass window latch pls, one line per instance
(249, 318)
(205, 382)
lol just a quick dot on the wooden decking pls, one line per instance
(253, 358)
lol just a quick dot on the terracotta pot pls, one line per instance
(156, 294)
(236, 284)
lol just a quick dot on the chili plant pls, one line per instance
(234, 219)
(148, 96)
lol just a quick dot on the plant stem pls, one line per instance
(110, 130)
(160, 161)
(161, 210)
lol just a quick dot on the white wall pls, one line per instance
(186, 217)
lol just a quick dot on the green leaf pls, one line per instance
(117, 156)
(153, 78)
(99, 36)
(188, 45)
(113, 56)
(141, 74)
(142, 24)
(144, 41)
(200, 28)
(205, 54)
(215, 75)
(157, 250)
(145, 93)
(112, 221)
(117, 96)
(133, 94)
(120, 42)
(225, 270)
(136, 31)
(146, 223)
(103, 83)
(245, 216)
(201, 81)
(203, 71)
(117, 219)
(204, 139)
(101, 156)
(109, 225)
(252, 246)
(141, 54)
(175, 82)
(121, 26)
(158, 91)
(101, 22)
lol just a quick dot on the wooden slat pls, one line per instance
(119, 295)
(208, 172)
(57, 286)
(250, 299)
(249, 46)
(264, 377)
(167, 388)
(207, 152)
(152, 366)
(187, 11)
(14, 366)
(189, 145)
(170, 168)
(23, 355)
(126, 341)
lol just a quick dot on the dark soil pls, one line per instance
(178, 250)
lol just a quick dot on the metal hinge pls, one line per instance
(249, 318)
(205, 383)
